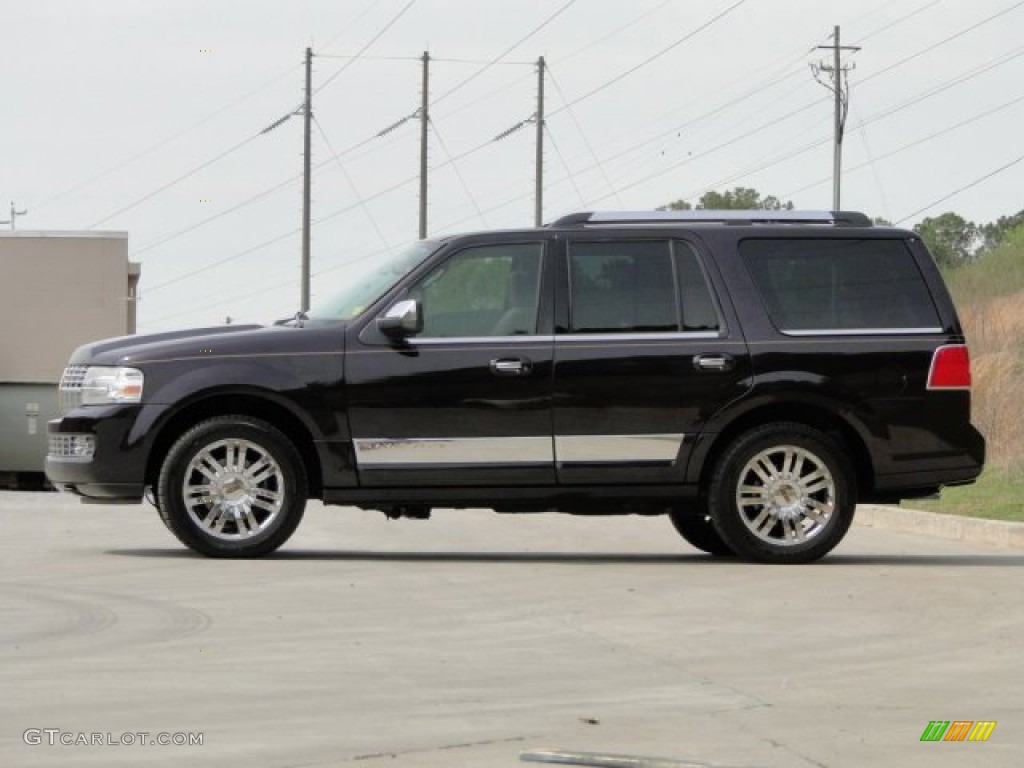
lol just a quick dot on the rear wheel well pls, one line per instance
(243, 405)
(819, 418)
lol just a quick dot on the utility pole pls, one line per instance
(537, 119)
(307, 114)
(838, 82)
(14, 215)
(538, 204)
(424, 125)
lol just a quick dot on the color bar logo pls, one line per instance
(958, 730)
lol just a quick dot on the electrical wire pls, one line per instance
(359, 17)
(942, 42)
(167, 140)
(394, 20)
(652, 57)
(900, 20)
(220, 262)
(618, 30)
(561, 157)
(959, 79)
(202, 223)
(912, 144)
(583, 135)
(355, 190)
(564, 7)
(964, 188)
(458, 173)
(174, 181)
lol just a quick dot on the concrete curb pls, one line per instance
(993, 533)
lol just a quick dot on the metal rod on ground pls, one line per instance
(596, 760)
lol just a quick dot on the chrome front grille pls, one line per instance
(69, 391)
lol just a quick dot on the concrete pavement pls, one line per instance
(466, 639)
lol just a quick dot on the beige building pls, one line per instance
(57, 290)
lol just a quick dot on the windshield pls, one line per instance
(364, 280)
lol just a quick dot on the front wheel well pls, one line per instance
(242, 405)
(812, 416)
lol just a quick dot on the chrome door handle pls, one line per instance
(714, 362)
(510, 366)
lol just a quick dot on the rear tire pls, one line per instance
(232, 486)
(698, 531)
(783, 493)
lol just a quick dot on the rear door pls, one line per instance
(646, 350)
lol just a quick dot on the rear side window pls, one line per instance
(638, 287)
(840, 285)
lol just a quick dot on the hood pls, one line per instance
(170, 345)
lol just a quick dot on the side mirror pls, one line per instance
(404, 318)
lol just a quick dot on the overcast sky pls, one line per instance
(145, 116)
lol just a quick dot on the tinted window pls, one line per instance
(699, 312)
(491, 290)
(634, 287)
(840, 284)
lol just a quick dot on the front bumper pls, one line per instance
(116, 468)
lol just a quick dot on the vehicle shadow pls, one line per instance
(995, 559)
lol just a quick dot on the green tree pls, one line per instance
(994, 233)
(738, 199)
(950, 238)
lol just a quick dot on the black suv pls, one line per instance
(753, 374)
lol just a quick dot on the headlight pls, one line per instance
(103, 385)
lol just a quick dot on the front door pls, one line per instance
(468, 400)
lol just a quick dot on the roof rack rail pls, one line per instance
(834, 218)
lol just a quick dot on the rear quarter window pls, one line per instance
(843, 285)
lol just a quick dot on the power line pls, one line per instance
(185, 230)
(458, 173)
(564, 7)
(359, 17)
(167, 140)
(394, 20)
(225, 260)
(915, 143)
(583, 135)
(355, 190)
(942, 42)
(652, 57)
(964, 188)
(900, 20)
(551, 136)
(173, 182)
(618, 30)
(999, 61)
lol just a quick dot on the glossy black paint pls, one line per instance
(330, 384)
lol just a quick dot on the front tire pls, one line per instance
(232, 486)
(783, 493)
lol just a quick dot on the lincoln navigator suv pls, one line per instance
(753, 375)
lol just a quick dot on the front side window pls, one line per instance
(840, 285)
(638, 287)
(490, 290)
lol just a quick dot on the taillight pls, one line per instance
(951, 368)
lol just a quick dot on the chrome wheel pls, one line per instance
(786, 495)
(233, 489)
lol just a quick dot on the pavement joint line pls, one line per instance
(1000, 534)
